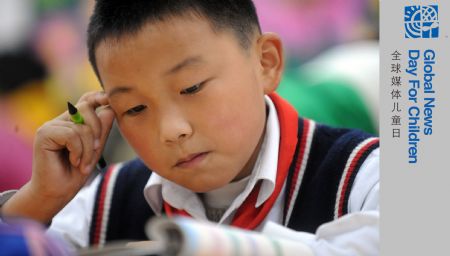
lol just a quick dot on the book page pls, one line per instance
(186, 236)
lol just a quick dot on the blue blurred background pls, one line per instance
(331, 48)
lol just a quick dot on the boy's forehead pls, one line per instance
(172, 36)
(176, 28)
(174, 31)
(167, 46)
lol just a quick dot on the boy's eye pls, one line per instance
(136, 110)
(193, 89)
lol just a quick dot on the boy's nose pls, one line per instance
(175, 129)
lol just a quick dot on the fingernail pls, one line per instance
(78, 162)
(100, 95)
(96, 143)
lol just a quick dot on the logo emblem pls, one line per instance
(421, 21)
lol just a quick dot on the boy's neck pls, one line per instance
(217, 201)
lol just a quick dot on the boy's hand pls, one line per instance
(66, 153)
(64, 156)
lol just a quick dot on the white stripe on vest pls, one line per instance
(301, 172)
(346, 174)
(107, 203)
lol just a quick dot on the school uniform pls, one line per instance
(306, 177)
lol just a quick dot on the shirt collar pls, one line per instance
(265, 169)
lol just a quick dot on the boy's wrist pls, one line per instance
(29, 204)
(40, 193)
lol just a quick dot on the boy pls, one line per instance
(187, 83)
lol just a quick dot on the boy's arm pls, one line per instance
(29, 204)
(64, 155)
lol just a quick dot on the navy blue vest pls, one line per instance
(318, 185)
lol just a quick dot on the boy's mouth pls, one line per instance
(191, 160)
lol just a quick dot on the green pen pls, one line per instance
(76, 117)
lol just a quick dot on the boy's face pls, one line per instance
(188, 100)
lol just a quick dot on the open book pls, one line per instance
(186, 236)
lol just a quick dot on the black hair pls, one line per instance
(113, 19)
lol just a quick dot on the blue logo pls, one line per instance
(421, 21)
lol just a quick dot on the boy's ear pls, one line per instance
(270, 56)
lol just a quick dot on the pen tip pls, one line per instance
(72, 109)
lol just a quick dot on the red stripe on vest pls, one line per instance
(101, 205)
(349, 174)
(247, 216)
(300, 158)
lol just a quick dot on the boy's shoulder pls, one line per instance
(326, 166)
(325, 134)
(310, 134)
(325, 138)
(330, 151)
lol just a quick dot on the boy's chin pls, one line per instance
(206, 187)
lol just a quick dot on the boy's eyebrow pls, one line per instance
(183, 64)
(117, 90)
(186, 62)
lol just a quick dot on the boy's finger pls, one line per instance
(75, 148)
(94, 99)
(86, 136)
(90, 118)
(60, 137)
(87, 95)
(106, 116)
(88, 141)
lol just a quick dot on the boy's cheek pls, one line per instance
(153, 159)
(139, 143)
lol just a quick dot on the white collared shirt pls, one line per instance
(355, 232)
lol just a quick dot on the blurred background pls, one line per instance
(331, 48)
